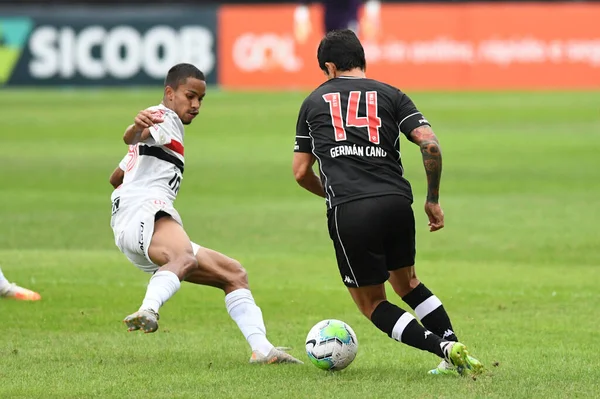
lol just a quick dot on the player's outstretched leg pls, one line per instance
(403, 327)
(220, 271)
(171, 249)
(8, 290)
(429, 311)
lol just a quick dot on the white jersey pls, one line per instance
(154, 167)
(153, 173)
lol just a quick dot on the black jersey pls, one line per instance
(352, 127)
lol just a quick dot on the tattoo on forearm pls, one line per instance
(432, 159)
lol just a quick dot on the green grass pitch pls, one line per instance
(516, 265)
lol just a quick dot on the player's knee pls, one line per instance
(181, 265)
(407, 286)
(413, 283)
(187, 264)
(367, 303)
(367, 308)
(233, 276)
(237, 277)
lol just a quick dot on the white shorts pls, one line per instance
(134, 226)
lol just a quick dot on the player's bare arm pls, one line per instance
(140, 129)
(116, 178)
(305, 175)
(425, 138)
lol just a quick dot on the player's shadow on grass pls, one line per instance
(384, 374)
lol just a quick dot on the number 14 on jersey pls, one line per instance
(371, 121)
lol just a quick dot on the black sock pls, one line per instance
(403, 327)
(430, 311)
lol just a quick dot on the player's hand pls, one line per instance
(146, 119)
(435, 214)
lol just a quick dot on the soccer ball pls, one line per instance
(331, 345)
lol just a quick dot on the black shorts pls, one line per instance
(372, 236)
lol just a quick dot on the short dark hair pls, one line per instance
(343, 48)
(180, 72)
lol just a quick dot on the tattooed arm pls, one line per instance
(425, 138)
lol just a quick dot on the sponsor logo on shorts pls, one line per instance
(115, 205)
(141, 240)
(348, 280)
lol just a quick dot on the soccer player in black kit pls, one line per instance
(350, 125)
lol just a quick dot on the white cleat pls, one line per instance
(145, 320)
(276, 355)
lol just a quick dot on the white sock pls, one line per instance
(162, 286)
(243, 310)
(3, 281)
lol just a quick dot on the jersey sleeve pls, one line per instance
(165, 132)
(123, 163)
(408, 116)
(303, 141)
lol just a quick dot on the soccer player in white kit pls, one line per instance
(149, 231)
(11, 290)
